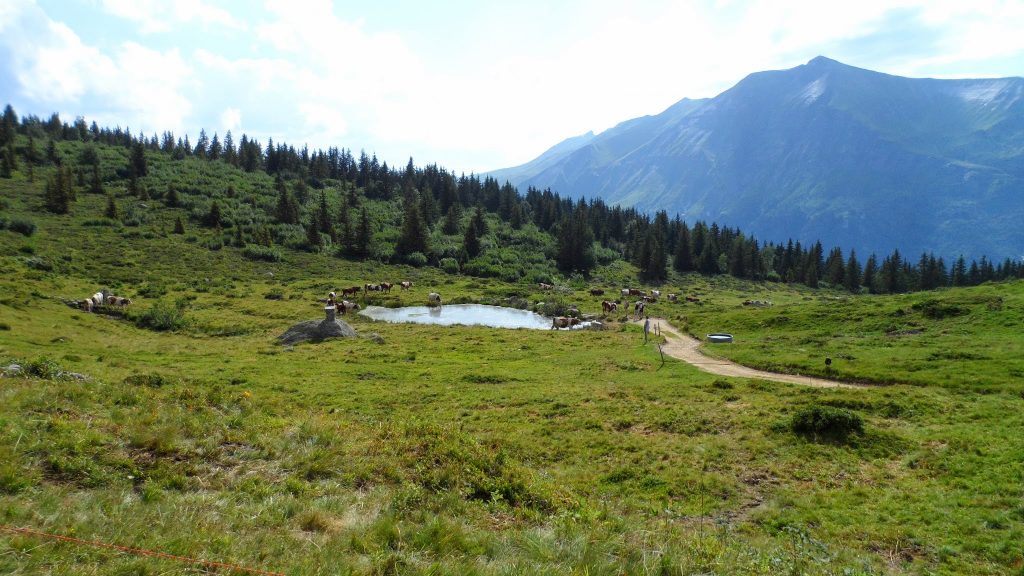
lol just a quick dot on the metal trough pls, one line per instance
(719, 338)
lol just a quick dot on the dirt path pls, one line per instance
(687, 348)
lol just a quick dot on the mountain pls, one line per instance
(857, 158)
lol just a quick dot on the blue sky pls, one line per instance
(470, 85)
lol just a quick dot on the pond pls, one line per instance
(465, 314)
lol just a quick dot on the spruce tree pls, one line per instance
(451, 220)
(96, 183)
(323, 218)
(6, 166)
(179, 226)
(171, 198)
(470, 243)
(213, 217)
(364, 235)
(682, 260)
(137, 161)
(112, 212)
(852, 275)
(313, 239)
(414, 236)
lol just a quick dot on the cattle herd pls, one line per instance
(101, 298)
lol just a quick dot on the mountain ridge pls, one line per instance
(863, 159)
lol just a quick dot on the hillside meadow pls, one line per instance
(470, 450)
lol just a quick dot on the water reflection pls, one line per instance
(466, 314)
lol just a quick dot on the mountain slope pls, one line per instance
(857, 158)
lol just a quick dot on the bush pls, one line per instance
(163, 316)
(37, 263)
(416, 259)
(44, 368)
(153, 380)
(264, 253)
(827, 421)
(23, 227)
(449, 265)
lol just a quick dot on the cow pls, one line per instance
(636, 292)
(655, 294)
(609, 307)
(433, 299)
(345, 306)
(99, 299)
(385, 287)
(371, 288)
(625, 292)
(673, 297)
(596, 292)
(544, 286)
(117, 301)
(563, 322)
(85, 304)
(351, 291)
(639, 308)
(692, 299)
(406, 285)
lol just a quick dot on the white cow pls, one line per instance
(434, 299)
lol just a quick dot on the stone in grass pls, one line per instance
(317, 330)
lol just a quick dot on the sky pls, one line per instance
(470, 85)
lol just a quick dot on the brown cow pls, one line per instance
(673, 297)
(385, 287)
(544, 286)
(637, 292)
(563, 322)
(638, 308)
(405, 285)
(609, 307)
(692, 299)
(596, 292)
(350, 291)
(345, 306)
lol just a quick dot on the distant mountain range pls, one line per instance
(855, 158)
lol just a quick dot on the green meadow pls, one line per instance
(471, 450)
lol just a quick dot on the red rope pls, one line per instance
(138, 551)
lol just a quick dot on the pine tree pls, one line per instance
(96, 183)
(213, 217)
(179, 226)
(137, 161)
(112, 212)
(871, 274)
(6, 165)
(479, 222)
(287, 211)
(323, 218)
(364, 235)
(470, 243)
(414, 236)
(451, 220)
(853, 273)
(313, 239)
(575, 244)
(959, 276)
(56, 196)
(682, 260)
(171, 198)
(346, 235)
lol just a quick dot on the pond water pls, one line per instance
(465, 314)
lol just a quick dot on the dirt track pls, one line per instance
(687, 348)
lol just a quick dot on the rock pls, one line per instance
(73, 376)
(316, 331)
(12, 370)
(376, 338)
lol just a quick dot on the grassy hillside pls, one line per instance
(472, 450)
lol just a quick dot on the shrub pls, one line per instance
(416, 259)
(44, 368)
(449, 265)
(264, 253)
(21, 226)
(937, 310)
(153, 380)
(827, 421)
(162, 316)
(37, 263)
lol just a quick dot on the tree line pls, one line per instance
(435, 199)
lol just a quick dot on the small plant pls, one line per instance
(153, 380)
(827, 422)
(449, 265)
(22, 226)
(416, 259)
(44, 368)
(264, 253)
(163, 316)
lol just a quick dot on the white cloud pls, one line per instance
(230, 119)
(160, 16)
(135, 85)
